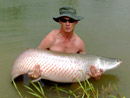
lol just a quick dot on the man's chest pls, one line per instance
(65, 46)
(66, 43)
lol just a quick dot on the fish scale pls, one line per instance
(61, 67)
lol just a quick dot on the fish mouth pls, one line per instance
(119, 63)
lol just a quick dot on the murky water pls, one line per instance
(105, 30)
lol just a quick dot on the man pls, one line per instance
(65, 40)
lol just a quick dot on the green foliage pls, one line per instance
(87, 90)
(38, 88)
(17, 89)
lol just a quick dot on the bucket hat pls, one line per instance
(69, 12)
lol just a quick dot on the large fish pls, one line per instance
(61, 67)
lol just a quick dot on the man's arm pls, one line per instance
(82, 47)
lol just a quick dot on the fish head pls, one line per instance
(109, 63)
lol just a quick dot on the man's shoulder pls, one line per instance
(55, 31)
(79, 41)
(78, 38)
(52, 35)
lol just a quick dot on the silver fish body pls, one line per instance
(61, 67)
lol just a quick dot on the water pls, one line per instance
(104, 29)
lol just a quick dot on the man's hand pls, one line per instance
(36, 73)
(94, 73)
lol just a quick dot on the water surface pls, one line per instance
(105, 30)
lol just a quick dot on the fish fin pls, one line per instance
(36, 80)
(26, 80)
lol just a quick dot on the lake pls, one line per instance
(105, 31)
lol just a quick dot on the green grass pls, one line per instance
(86, 89)
(38, 88)
(17, 89)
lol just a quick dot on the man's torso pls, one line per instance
(61, 44)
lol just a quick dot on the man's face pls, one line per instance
(67, 24)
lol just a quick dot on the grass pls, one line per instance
(38, 88)
(17, 89)
(86, 89)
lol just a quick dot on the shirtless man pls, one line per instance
(65, 40)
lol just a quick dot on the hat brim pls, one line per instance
(78, 18)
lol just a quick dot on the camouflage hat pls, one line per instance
(69, 12)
